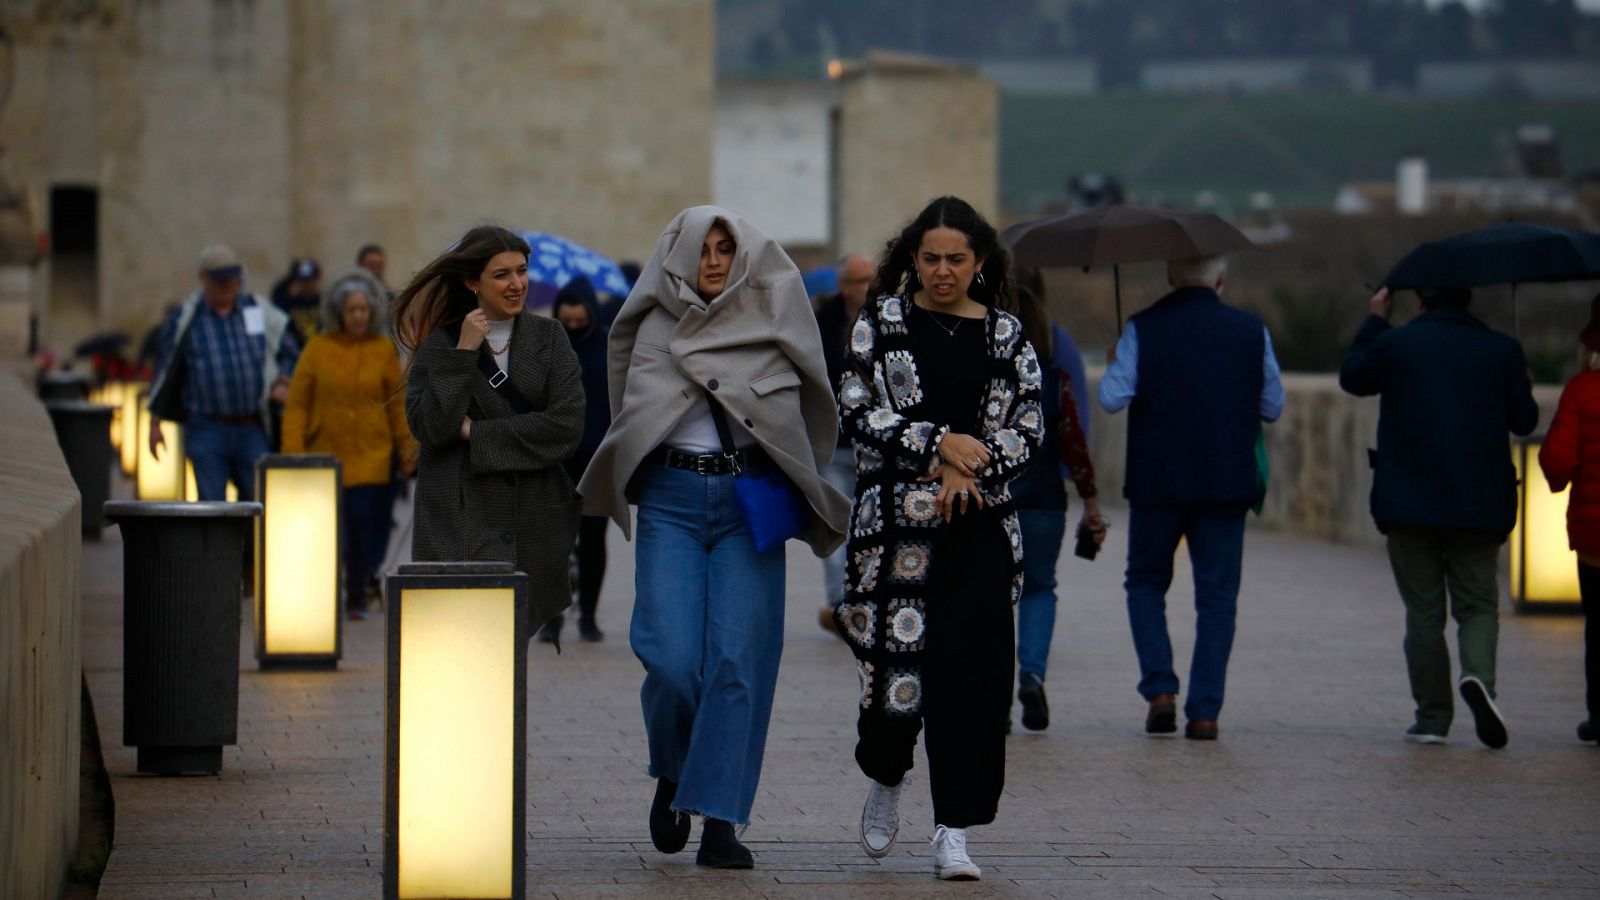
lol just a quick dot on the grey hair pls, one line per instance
(1200, 271)
(351, 281)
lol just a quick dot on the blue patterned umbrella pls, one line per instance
(555, 260)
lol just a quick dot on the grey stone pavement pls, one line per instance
(1309, 793)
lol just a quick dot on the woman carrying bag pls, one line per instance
(721, 413)
(494, 399)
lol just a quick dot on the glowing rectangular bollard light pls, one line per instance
(1544, 569)
(455, 747)
(133, 397)
(299, 544)
(159, 477)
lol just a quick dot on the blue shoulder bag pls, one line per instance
(773, 507)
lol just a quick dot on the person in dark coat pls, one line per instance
(836, 315)
(1444, 490)
(576, 308)
(1198, 378)
(491, 481)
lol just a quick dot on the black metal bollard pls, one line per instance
(181, 575)
(84, 432)
(63, 386)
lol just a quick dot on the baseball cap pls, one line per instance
(220, 262)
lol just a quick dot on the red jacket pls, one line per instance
(1571, 455)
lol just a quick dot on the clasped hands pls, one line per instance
(964, 459)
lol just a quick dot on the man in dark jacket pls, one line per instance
(1444, 490)
(1198, 378)
(577, 308)
(836, 314)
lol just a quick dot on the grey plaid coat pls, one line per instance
(504, 494)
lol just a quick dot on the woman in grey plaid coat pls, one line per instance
(494, 399)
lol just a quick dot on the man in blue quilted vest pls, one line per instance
(1198, 378)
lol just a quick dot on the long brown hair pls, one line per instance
(438, 294)
(1028, 285)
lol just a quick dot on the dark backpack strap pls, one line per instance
(724, 434)
(498, 380)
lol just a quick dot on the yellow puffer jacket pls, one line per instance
(343, 401)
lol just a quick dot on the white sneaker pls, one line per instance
(950, 859)
(880, 819)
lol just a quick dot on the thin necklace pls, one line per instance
(503, 347)
(949, 331)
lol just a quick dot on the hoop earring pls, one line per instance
(978, 278)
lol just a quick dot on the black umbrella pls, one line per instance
(106, 342)
(1115, 235)
(1513, 253)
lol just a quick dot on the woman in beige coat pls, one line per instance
(718, 326)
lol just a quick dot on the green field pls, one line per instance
(1300, 147)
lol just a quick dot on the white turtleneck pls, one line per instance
(500, 338)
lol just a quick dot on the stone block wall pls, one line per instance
(41, 656)
(310, 128)
(910, 131)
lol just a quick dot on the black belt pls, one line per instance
(709, 463)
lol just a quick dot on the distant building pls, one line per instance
(1537, 79)
(290, 129)
(1042, 76)
(840, 165)
(1256, 75)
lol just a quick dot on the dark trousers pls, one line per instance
(1589, 587)
(591, 550)
(367, 512)
(1216, 552)
(967, 667)
(1443, 572)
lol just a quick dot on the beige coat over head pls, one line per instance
(755, 345)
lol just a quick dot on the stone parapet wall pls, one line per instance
(1320, 480)
(41, 656)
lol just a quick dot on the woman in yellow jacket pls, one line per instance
(344, 401)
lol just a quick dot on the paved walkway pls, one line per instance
(1309, 793)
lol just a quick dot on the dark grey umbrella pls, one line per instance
(1513, 253)
(1114, 235)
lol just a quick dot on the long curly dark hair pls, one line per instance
(898, 271)
(438, 294)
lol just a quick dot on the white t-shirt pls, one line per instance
(500, 338)
(696, 432)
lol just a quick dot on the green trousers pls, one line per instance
(1430, 563)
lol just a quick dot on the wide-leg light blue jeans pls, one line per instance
(708, 627)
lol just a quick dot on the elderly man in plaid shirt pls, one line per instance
(226, 357)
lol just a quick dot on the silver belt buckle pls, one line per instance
(497, 379)
(702, 464)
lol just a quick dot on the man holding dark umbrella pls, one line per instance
(1444, 490)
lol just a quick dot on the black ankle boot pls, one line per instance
(719, 849)
(589, 631)
(669, 830)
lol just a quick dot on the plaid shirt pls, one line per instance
(224, 363)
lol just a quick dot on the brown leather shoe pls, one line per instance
(1163, 715)
(1200, 731)
(826, 620)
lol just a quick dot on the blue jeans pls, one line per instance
(368, 509)
(1216, 550)
(1042, 532)
(841, 473)
(708, 627)
(222, 453)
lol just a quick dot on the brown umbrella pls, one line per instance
(1113, 235)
